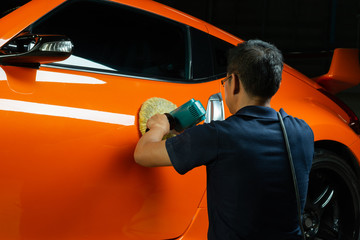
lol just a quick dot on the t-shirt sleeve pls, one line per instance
(194, 147)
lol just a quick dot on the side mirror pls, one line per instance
(31, 50)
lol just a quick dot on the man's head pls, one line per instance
(258, 65)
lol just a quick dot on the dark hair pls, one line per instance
(259, 66)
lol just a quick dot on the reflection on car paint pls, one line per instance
(82, 62)
(45, 76)
(68, 112)
(54, 77)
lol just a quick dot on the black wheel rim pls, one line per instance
(330, 210)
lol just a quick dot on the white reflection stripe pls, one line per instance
(55, 77)
(45, 76)
(69, 112)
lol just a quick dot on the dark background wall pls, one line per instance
(305, 30)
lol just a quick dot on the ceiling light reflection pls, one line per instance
(68, 112)
(55, 77)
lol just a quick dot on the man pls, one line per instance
(249, 182)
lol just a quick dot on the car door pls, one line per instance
(69, 129)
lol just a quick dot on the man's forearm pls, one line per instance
(151, 150)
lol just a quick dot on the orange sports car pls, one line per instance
(73, 77)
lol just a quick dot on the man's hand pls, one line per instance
(151, 151)
(159, 122)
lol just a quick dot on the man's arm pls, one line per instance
(151, 151)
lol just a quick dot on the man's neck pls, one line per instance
(252, 101)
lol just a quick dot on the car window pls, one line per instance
(209, 55)
(113, 38)
(201, 55)
(219, 51)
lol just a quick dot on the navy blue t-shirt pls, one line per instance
(249, 182)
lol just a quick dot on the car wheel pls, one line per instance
(332, 205)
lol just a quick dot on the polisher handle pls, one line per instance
(172, 120)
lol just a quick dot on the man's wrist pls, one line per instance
(159, 123)
(161, 128)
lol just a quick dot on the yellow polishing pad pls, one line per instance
(151, 107)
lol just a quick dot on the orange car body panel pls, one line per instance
(68, 158)
(67, 142)
(14, 23)
(344, 71)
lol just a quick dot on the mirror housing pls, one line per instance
(31, 50)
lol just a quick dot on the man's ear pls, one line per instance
(237, 84)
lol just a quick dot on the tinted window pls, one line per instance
(202, 64)
(113, 38)
(220, 51)
(209, 55)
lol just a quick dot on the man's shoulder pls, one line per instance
(293, 123)
(298, 121)
(293, 118)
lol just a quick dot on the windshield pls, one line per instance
(7, 6)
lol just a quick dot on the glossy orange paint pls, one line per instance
(15, 22)
(75, 168)
(157, 8)
(67, 142)
(344, 71)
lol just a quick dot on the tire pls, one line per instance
(333, 200)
